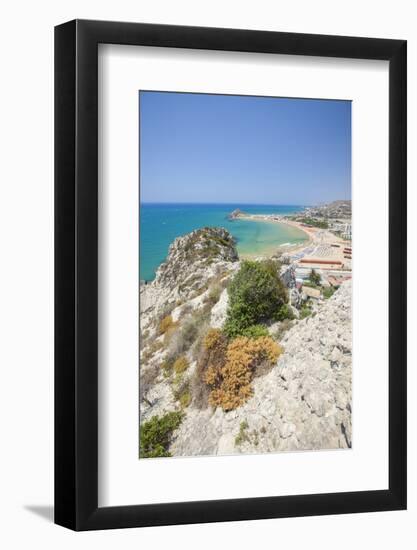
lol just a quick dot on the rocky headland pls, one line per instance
(236, 214)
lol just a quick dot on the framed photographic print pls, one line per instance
(230, 252)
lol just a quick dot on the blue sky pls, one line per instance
(234, 149)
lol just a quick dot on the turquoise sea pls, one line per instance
(160, 224)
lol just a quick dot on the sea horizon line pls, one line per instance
(227, 203)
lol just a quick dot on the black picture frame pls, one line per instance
(76, 273)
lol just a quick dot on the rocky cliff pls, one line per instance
(302, 403)
(186, 287)
(194, 261)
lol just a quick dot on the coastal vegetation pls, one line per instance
(256, 295)
(313, 222)
(209, 245)
(315, 281)
(156, 433)
(242, 436)
(314, 277)
(231, 366)
(166, 324)
(255, 331)
(229, 357)
(184, 396)
(180, 365)
(328, 292)
(305, 311)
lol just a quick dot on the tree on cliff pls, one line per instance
(256, 295)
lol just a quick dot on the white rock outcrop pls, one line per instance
(304, 403)
(193, 261)
(219, 311)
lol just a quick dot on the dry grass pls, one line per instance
(231, 372)
(181, 365)
(211, 351)
(166, 324)
(283, 327)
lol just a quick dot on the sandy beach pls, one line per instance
(323, 248)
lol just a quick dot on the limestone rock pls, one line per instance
(304, 403)
(219, 311)
(193, 261)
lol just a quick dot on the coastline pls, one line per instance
(284, 236)
(322, 249)
(161, 224)
(292, 248)
(273, 249)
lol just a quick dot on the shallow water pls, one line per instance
(160, 224)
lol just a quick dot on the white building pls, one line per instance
(347, 232)
(345, 229)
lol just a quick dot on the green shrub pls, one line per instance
(185, 399)
(233, 326)
(181, 390)
(156, 433)
(255, 331)
(183, 395)
(328, 292)
(273, 267)
(284, 312)
(321, 224)
(314, 277)
(242, 435)
(305, 312)
(256, 294)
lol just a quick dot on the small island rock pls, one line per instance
(236, 214)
